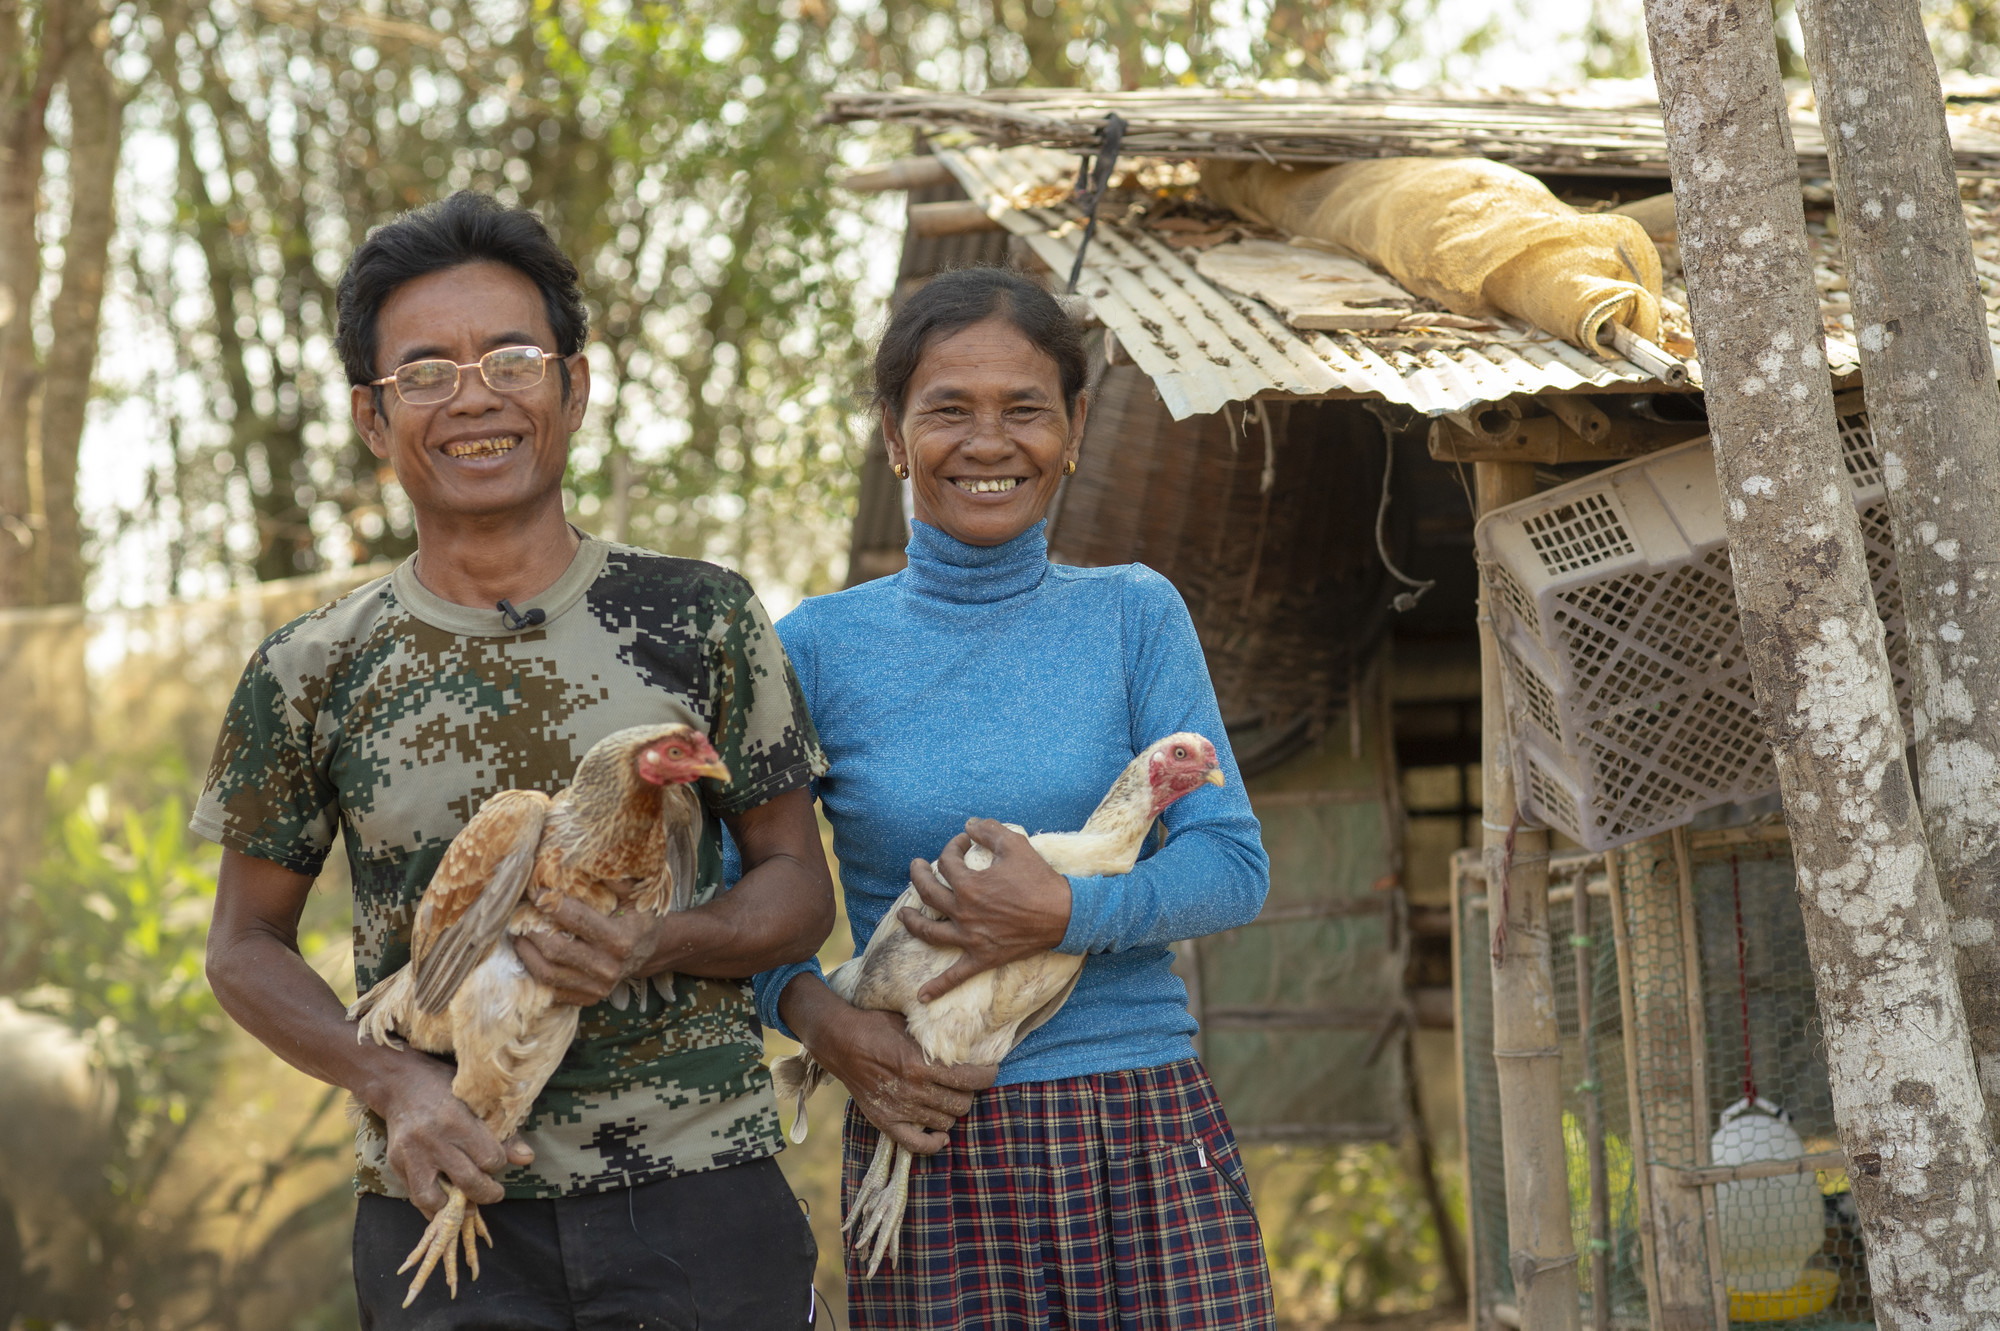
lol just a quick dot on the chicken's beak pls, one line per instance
(1214, 777)
(714, 770)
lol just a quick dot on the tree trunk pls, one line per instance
(1928, 370)
(1527, 1046)
(30, 60)
(96, 114)
(1905, 1091)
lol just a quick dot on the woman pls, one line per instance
(1098, 1183)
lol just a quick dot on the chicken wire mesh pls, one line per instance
(1789, 1242)
(1593, 1081)
(1624, 661)
(1734, 1080)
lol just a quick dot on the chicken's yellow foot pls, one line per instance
(895, 1195)
(456, 1224)
(871, 1184)
(875, 1217)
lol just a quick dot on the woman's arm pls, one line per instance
(871, 1053)
(1212, 874)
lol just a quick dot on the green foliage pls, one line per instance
(109, 937)
(672, 150)
(671, 145)
(1347, 1230)
(115, 921)
(1618, 1178)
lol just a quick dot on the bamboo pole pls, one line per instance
(905, 173)
(1710, 1175)
(1584, 944)
(1459, 1036)
(1527, 1047)
(1697, 1021)
(952, 217)
(1635, 1125)
(1664, 1102)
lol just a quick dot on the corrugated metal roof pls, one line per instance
(1204, 346)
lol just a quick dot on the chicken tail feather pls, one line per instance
(797, 1075)
(377, 1011)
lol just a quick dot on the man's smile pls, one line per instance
(491, 446)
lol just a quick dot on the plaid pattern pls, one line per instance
(1115, 1200)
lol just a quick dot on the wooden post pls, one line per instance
(1666, 1110)
(1906, 1092)
(1527, 1046)
(1584, 945)
(1635, 1126)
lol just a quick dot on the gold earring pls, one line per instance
(1069, 467)
(902, 472)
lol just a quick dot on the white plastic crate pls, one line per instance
(1627, 683)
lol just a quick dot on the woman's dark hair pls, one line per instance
(956, 300)
(468, 227)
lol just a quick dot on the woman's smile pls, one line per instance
(986, 485)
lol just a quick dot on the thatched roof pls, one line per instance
(1610, 129)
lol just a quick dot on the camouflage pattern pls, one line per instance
(394, 714)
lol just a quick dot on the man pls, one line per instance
(641, 1190)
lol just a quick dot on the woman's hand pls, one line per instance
(871, 1053)
(1017, 908)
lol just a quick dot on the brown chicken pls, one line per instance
(981, 1020)
(624, 831)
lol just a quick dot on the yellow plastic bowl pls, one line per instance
(1812, 1294)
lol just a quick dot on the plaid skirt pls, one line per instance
(1116, 1200)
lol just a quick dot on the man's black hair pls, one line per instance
(468, 227)
(956, 300)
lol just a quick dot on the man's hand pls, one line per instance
(900, 1091)
(595, 953)
(1017, 908)
(432, 1133)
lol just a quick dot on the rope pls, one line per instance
(1404, 601)
(1742, 980)
(1099, 179)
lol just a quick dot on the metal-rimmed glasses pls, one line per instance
(423, 383)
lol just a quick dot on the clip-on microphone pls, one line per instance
(514, 619)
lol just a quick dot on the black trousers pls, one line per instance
(725, 1250)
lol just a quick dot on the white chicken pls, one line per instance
(982, 1019)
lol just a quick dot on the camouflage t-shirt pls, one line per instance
(394, 714)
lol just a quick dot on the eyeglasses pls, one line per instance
(423, 383)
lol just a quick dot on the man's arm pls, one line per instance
(261, 980)
(780, 911)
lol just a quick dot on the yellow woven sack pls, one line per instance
(1478, 237)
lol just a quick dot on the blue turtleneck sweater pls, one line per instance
(989, 682)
